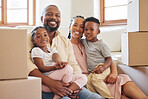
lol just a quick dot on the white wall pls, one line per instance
(64, 7)
(82, 7)
(69, 8)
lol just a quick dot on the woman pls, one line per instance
(120, 86)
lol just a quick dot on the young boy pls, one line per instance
(98, 58)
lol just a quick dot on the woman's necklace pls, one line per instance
(80, 48)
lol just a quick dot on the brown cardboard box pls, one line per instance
(21, 89)
(135, 48)
(137, 19)
(138, 74)
(13, 53)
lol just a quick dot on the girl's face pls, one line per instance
(91, 30)
(77, 27)
(41, 38)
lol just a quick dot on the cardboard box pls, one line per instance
(21, 89)
(13, 53)
(135, 48)
(137, 16)
(138, 74)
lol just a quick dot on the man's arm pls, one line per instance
(55, 86)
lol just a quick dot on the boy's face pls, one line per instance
(91, 30)
(77, 27)
(41, 38)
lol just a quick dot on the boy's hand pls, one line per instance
(99, 69)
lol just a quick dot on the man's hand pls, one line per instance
(75, 94)
(59, 88)
(111, 78)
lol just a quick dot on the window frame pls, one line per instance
(103, 22)
(3, 21)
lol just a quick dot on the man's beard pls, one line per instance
(50, 29)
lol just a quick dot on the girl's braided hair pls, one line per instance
(32, 35)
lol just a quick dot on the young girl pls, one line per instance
(50, 64)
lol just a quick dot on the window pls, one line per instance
(113, 12)
(17, 12)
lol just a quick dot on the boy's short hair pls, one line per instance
(92, 19)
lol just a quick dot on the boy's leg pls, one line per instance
(86, 94)
(97, 81)
(89, 85)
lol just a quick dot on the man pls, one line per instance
(51, 20)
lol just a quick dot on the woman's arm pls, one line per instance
(39, 63)
(112, 77)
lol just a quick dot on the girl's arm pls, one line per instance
(39, 63)
(56, 58)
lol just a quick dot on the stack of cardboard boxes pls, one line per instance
(135, 41)
(135, 44)
(14, 81)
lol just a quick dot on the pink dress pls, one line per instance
(115, 89)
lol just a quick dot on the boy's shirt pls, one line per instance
(96, 53)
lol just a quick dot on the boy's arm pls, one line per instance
(100, 69)
(108, 62)
(39, 63)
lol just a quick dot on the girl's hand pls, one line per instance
(64, 63)
(60, 65)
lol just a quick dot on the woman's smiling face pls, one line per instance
(77, 27)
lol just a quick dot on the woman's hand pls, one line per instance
(111, 78)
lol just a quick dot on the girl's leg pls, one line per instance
(64, 75)
(132, 91)
(78, 81)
